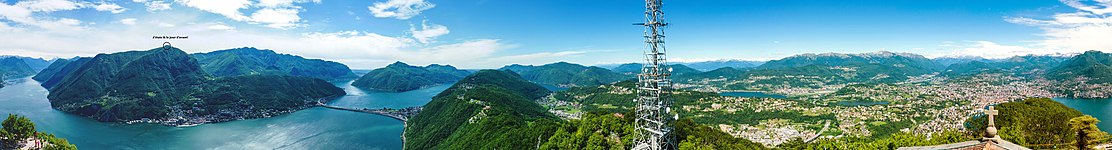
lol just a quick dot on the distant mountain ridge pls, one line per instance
(1095, 65)
(635, 68)
(13, 67)
(703, 65)
(399, 77)
(252, 61)
(566, 74)
(57, 71)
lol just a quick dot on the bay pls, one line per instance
(1098, 108)
(313, 128)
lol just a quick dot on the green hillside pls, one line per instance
(57, 71)
(252, 61)
(495, 107)
(1094, 65)
(399, 76)
(1034, 121)
(151, 84)
(566, 74)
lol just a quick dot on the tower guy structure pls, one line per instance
(654, 101)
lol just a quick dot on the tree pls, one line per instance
(1087, 131)
(17, 128)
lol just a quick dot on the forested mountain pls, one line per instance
(566, 74)
(888, 63)
(13, 67)
(970, 68)
(1027, 65)
(57, 71)
(1094, 65)
(252, 61)
(164, 83)
(399, 76)
(491, 106)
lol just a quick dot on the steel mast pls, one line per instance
(654, 113)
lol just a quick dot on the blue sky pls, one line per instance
(492, 33)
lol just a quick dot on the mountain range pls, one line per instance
(168, 85)
(566, 74)
(399, 77)
(704, 65)
(1094, 65)
(635, 68)
(252, 61)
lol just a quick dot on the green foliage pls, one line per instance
(1095, 65)
(563, 73)
(492, 106)
(55, 142)
(901, 139)
(1087, 131)
(595, 130)
(399, 76)
(695, 136)
(252, 61)
(1034, 121)
(17, 128)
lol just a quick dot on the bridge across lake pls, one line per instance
(400, 114)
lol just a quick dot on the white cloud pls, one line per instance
(228, 8)
(155, 5)
(1088, 29)
(399, 9)
(221, 26)
(110, 7)
(277, 18)
(128, 21)
(283, 3)
(22, 13)
(988, 49)
(279, 14)
(48, 5)
(428, 32)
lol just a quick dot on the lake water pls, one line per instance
(313, 128)
(1098, 108)
(752, 94)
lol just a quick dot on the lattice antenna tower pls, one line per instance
(654, 101)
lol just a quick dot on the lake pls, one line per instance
(313, 128)
(1098, 108)
(752, 94)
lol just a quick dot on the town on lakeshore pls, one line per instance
(555, 74)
